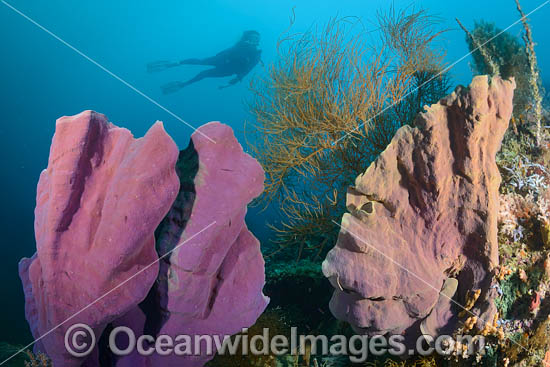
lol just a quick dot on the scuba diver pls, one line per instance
(238, 60)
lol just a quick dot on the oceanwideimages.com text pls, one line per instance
(80, 341)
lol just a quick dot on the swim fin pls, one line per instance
(161, 65)
(172, 87)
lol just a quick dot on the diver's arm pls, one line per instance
(232, 82)
(240, 75)
(235, 80)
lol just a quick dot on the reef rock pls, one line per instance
(423, 213)
(97, 206)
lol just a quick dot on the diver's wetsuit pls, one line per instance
(237, 60)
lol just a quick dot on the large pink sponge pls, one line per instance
(97, 206)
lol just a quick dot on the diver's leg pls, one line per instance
(191, 62)
(210, 73)
(200, 76)
(208, 61)
(171, 87)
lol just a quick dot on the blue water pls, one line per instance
(42, 79)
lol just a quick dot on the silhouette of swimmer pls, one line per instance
(238, 60)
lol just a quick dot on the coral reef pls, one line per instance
(39, 360)
(524, 285)
(274, 319)
(424, 212)
(304, 293)
(18, 355)
(101, 203)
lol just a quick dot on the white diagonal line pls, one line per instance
(439, 74)
(109, 292)
(105, 69)
(427, 283)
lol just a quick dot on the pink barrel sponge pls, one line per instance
(108, 205)
(97, 206)
(422, 221)
(213, 283)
